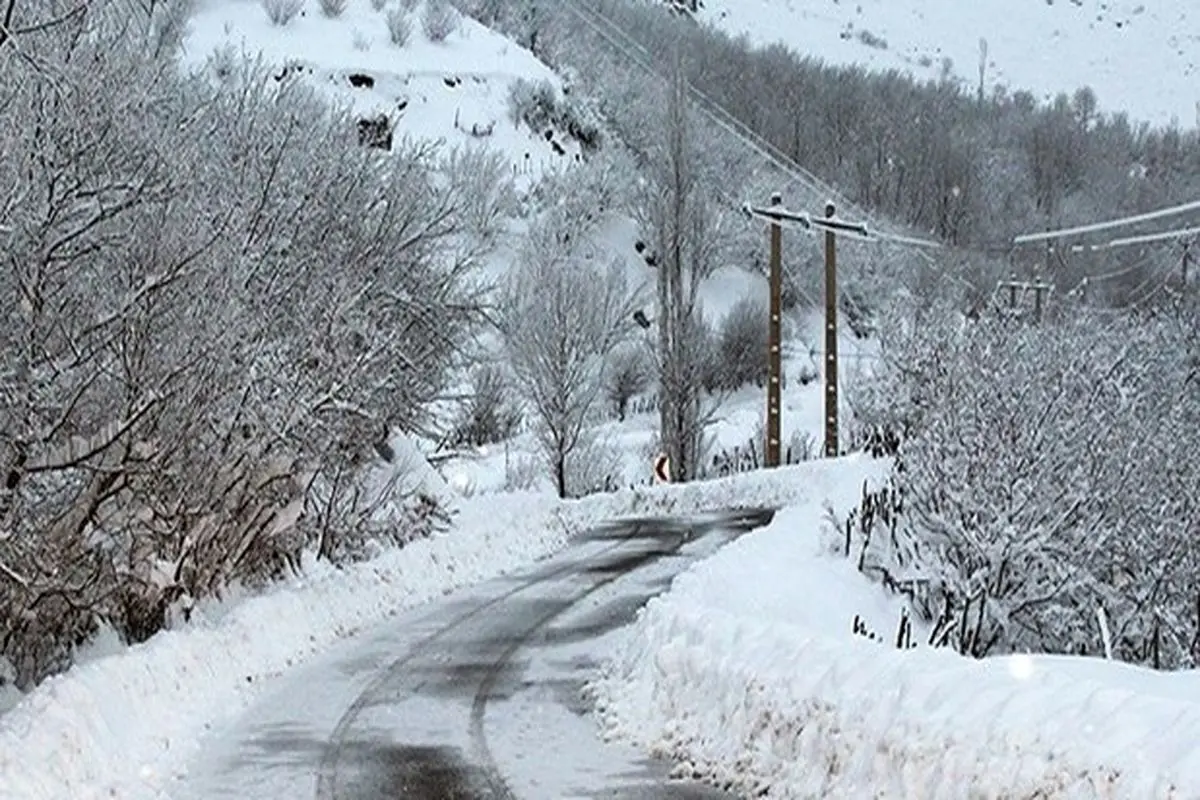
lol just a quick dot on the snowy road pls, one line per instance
(477, 696)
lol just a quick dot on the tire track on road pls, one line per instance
(481, 751)
(327, 773)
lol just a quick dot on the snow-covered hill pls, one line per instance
(1139, 56)
(455, 90)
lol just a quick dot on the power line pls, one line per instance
(1096, 227)
(1148, 238)
(634, 52)
(1116, 273)
(710, 108)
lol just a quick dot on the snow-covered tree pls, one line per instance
(563, 311)
(684, 228)
(1044, 472)
(223, 306)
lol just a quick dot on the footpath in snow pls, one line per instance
(128, 724)
(748, 674)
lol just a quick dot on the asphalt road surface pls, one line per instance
(476, 697)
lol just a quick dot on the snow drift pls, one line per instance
(748, 674)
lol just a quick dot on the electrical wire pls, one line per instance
(1147, 238)
(1096, 227)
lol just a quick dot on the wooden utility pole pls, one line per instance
(831, 342)
(774, 340)
(776, 215)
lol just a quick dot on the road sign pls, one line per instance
(662, 469)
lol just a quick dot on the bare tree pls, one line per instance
(562, 313)
(630, 374)
(685, 229)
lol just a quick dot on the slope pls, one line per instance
(455, 90)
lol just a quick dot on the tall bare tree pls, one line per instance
(685, 229)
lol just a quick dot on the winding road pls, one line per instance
(475, 697)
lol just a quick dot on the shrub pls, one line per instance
(399, 27)
(488, 415)
(539, 106)
(439, 20)
(1044, 474)
(742, 346)
(629, 374)
(171, 477)
(523, 472)
(594, 465)
(378, 4)
(332, 8)
(281, 12)
(872, 39)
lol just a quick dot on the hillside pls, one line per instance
(1141, 58)
(455, 90)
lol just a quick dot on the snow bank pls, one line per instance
(747, 673)
(124, 725)
(809, 482)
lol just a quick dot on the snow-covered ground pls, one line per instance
(1140, 56)
(747, 672)
(127, 723)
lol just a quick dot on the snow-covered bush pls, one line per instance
(489, 196)
(532, 102)
(1046, 471)
(439, 20)
(742, 345)
(332, 8)
(595, 465)
(399, 26)
(630, 373)
(488, 415)
(522, 472)
(589, 191)
(378, 5)
(350, 524)
(281, 12)
(223, 62)
(219, 348)
(539, 105)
